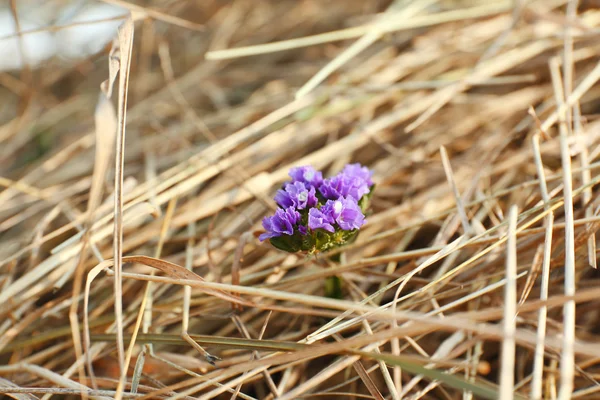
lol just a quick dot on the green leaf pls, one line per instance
(479, 388)
(207, 340)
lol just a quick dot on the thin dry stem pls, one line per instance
(507, 370)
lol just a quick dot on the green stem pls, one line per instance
(333, 284)
(333, 287)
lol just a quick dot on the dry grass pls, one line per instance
(129, 260)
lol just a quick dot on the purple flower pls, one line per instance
(317, 214)
(318, 219)
(306, 174)
(354, 180)
(282, 223)
(296, 194)
(347, 213)
(342, 186)
(358, 171)
(344, 211)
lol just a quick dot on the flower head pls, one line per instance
(282, 223)
(319, 214)
(306, 174)
(296, 194)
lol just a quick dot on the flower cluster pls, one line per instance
(317, 214)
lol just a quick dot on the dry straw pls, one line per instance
(473, 278)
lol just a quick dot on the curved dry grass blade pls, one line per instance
(94, 272)
(180, 273)
(106, 128)
(125, 34)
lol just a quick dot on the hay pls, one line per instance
(475, 273)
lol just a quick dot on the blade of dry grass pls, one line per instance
(507, 371)
(586, 177)
(126, 46)
(538, 366)
(567, 365)
(105, 137)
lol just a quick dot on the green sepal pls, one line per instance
(288, 243)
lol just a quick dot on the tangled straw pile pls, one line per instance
(474, 277)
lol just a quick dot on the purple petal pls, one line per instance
(282, 223)
(342, 186)
(292, 215)
(266, 235)
(296, 194)
(302, 229)
(348, 214)
(311, 197)
(283, 199)
(329, 189)
(268, 225)
(306, 174)
(358, 171)
(319, 220)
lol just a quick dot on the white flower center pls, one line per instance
(337, 206)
